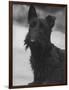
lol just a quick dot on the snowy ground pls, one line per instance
(22, 72)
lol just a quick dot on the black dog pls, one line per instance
(47, 61)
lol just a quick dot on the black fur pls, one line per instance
(47, 61)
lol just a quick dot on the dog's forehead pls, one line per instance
(40, 22)
(44, 22)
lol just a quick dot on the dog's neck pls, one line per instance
(39, 52)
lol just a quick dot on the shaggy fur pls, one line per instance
(47, 61)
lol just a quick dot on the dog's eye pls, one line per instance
(33, 24)
(41, 25)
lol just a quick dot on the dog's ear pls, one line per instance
(32, 13)
(50, 20)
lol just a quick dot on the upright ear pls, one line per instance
(32, 13)
(51, 20)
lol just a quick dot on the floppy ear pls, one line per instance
(32, 13)
(51, 20)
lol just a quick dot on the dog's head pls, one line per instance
(39, 29)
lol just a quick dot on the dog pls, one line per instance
(47, 60)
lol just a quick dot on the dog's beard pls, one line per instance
(32, 45)
(37, 44)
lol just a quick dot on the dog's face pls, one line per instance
(39, 29)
